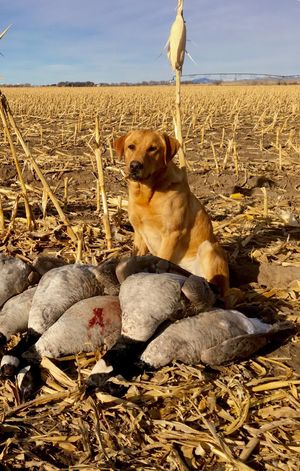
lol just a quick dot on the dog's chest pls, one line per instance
(152, 238)
(148, 223)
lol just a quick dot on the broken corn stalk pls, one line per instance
(176, 51)
(4, 32)
(177, 40)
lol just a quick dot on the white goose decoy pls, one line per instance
(89, 325)
(146, 264)
(14, 277)
(64, 286)
(148, 300)
(213, 338)
(14, 315)
(43, 263)
(58, 289)
(86, 326)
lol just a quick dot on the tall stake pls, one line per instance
(176, 51)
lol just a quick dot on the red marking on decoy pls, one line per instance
(97, 318)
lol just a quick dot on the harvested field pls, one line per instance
(243, 151)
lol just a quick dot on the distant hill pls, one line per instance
(203, 80)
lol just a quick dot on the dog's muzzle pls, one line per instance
(136, 170)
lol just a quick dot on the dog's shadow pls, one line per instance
(246, 274)
(245, 271)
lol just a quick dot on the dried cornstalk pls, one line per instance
(280, 157)
(202, 135)
(215, 157)
(101, 185)
(28, 210)
(44, 203)
(247, 451)
(98, 197)
(235, 159)
(75, 134)
(223, 137)
(277, 137)
(79, 245)
(38, 171)
(41, 134)
(13, 214)
(66, 190)
(177, 40)
(228, 150)
(111, 154)
(266, 204)
(176, 51)
(4, 32)
(2, 219)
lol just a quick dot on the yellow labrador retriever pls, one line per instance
(168, 220)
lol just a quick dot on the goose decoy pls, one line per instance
(148, 300)
(146, 264)
(44, 263)
(58, 289)
(14, 277)
(86, 326)
(28, 381)
(14, 315)
(89, 325)
(214, 337)
(71, 332)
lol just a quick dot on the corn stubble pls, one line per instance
(243, 416)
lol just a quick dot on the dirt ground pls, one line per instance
(181, 417)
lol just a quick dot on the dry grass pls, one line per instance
(244, 416)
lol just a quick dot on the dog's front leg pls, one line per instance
(139, 245)
(169, 246)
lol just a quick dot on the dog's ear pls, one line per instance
(172, 146)
(118, 145)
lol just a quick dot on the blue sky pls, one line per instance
(121, 40)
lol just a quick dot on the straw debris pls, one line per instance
(237, 417)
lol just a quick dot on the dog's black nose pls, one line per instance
(135, 165)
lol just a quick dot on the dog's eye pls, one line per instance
(152, 149)
(131, 146)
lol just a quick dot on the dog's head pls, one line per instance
(146, 152)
